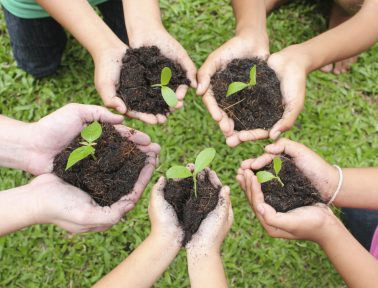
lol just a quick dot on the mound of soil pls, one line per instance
(297, 192)
(191, 210)
(114, 172)
(255, 107)
(141, 68)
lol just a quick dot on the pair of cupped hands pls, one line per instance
(59, 203)
(245, 44)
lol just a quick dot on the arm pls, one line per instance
(318, 224)
(155, 253)
(203, 250)
(79, 18)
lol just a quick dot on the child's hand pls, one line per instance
(240, 46)
(163, 217)
(306, 223)
(70, 208)
(54, 132)
(323, 176)
(216, 225)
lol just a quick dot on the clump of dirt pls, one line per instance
(114, 172)
(141, 68)
(191, 210)
(257, 107)
(297, 191)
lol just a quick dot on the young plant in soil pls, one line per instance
(142, 68)
(192, 197)
(168, 94)
(265, 176)
(235, 87)
(112, 169)
(250, 96)
(285, 187)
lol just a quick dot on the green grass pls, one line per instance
(339, 122)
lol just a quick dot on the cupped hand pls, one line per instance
(70, 208)
(163, 217)
(108, 64)
(172, 49)
(306, 223)
(240, 46)
(216, 225)
(322, 175)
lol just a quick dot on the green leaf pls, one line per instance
(204, 159)
(235, 87)
(277, 164)
(92, 132)
(78, 155)
(264, 176)
(252, 76)
(166, 75)
(178, 172)
(169, 96)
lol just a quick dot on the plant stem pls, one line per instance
(279, 180)
(195, 185)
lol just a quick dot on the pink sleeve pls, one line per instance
(374, 245)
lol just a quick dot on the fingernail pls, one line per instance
(276, 135)
(199, 87)
(260, 209)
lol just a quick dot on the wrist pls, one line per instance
(106, 50)
(258, 37)
(330, 232)
(171, 241)
(295, 55)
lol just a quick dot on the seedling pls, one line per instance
(90, 134)
(238, 86)
(168, 94)
(203, 160)
(265, 176)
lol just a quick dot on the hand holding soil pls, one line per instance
(70, 208)
(314, 223)
(164, 221)
(53, 133)
(322, 175)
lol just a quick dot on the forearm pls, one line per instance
(206, 270)
(17, 210)
(80, 19)
(359, 188)
(141, 15)
(356, 266)
(340, 42)
(250, 17)
(15, 143)
(144, 266)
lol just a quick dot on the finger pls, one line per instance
(212, 105)
(181, 91)
(213, 177)
(191, 70)
(262, 161)
(140, 185)
(286, 146)
(107, 90)
(191, 167)
(123, 206)
(224, 125)
(292, 110)
(202, 174)
(90, 113)
(240, 179)
(207, 70)
(253, 135)
(102, 216)
(135, 136)
(246, 164)
(233, 140)
(157, 193)
(327, 68)
(145, 117)
(161, 118)
(179, 105)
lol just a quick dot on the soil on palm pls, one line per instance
(141, 68)
(114, 172)
(191, 210)
(297, 191)
(254, 107)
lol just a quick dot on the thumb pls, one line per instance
(107, 91)
(207, 70)
(90, 113)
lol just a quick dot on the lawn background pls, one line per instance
(339, 122)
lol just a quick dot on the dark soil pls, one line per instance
(297, 192)
(257, 107)
(114, 172)
(141, 68)
(191, 210)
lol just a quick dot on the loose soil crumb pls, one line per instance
(141, 68)
(114, 172)
(252, 108)
(191, 210)
(297, 192)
